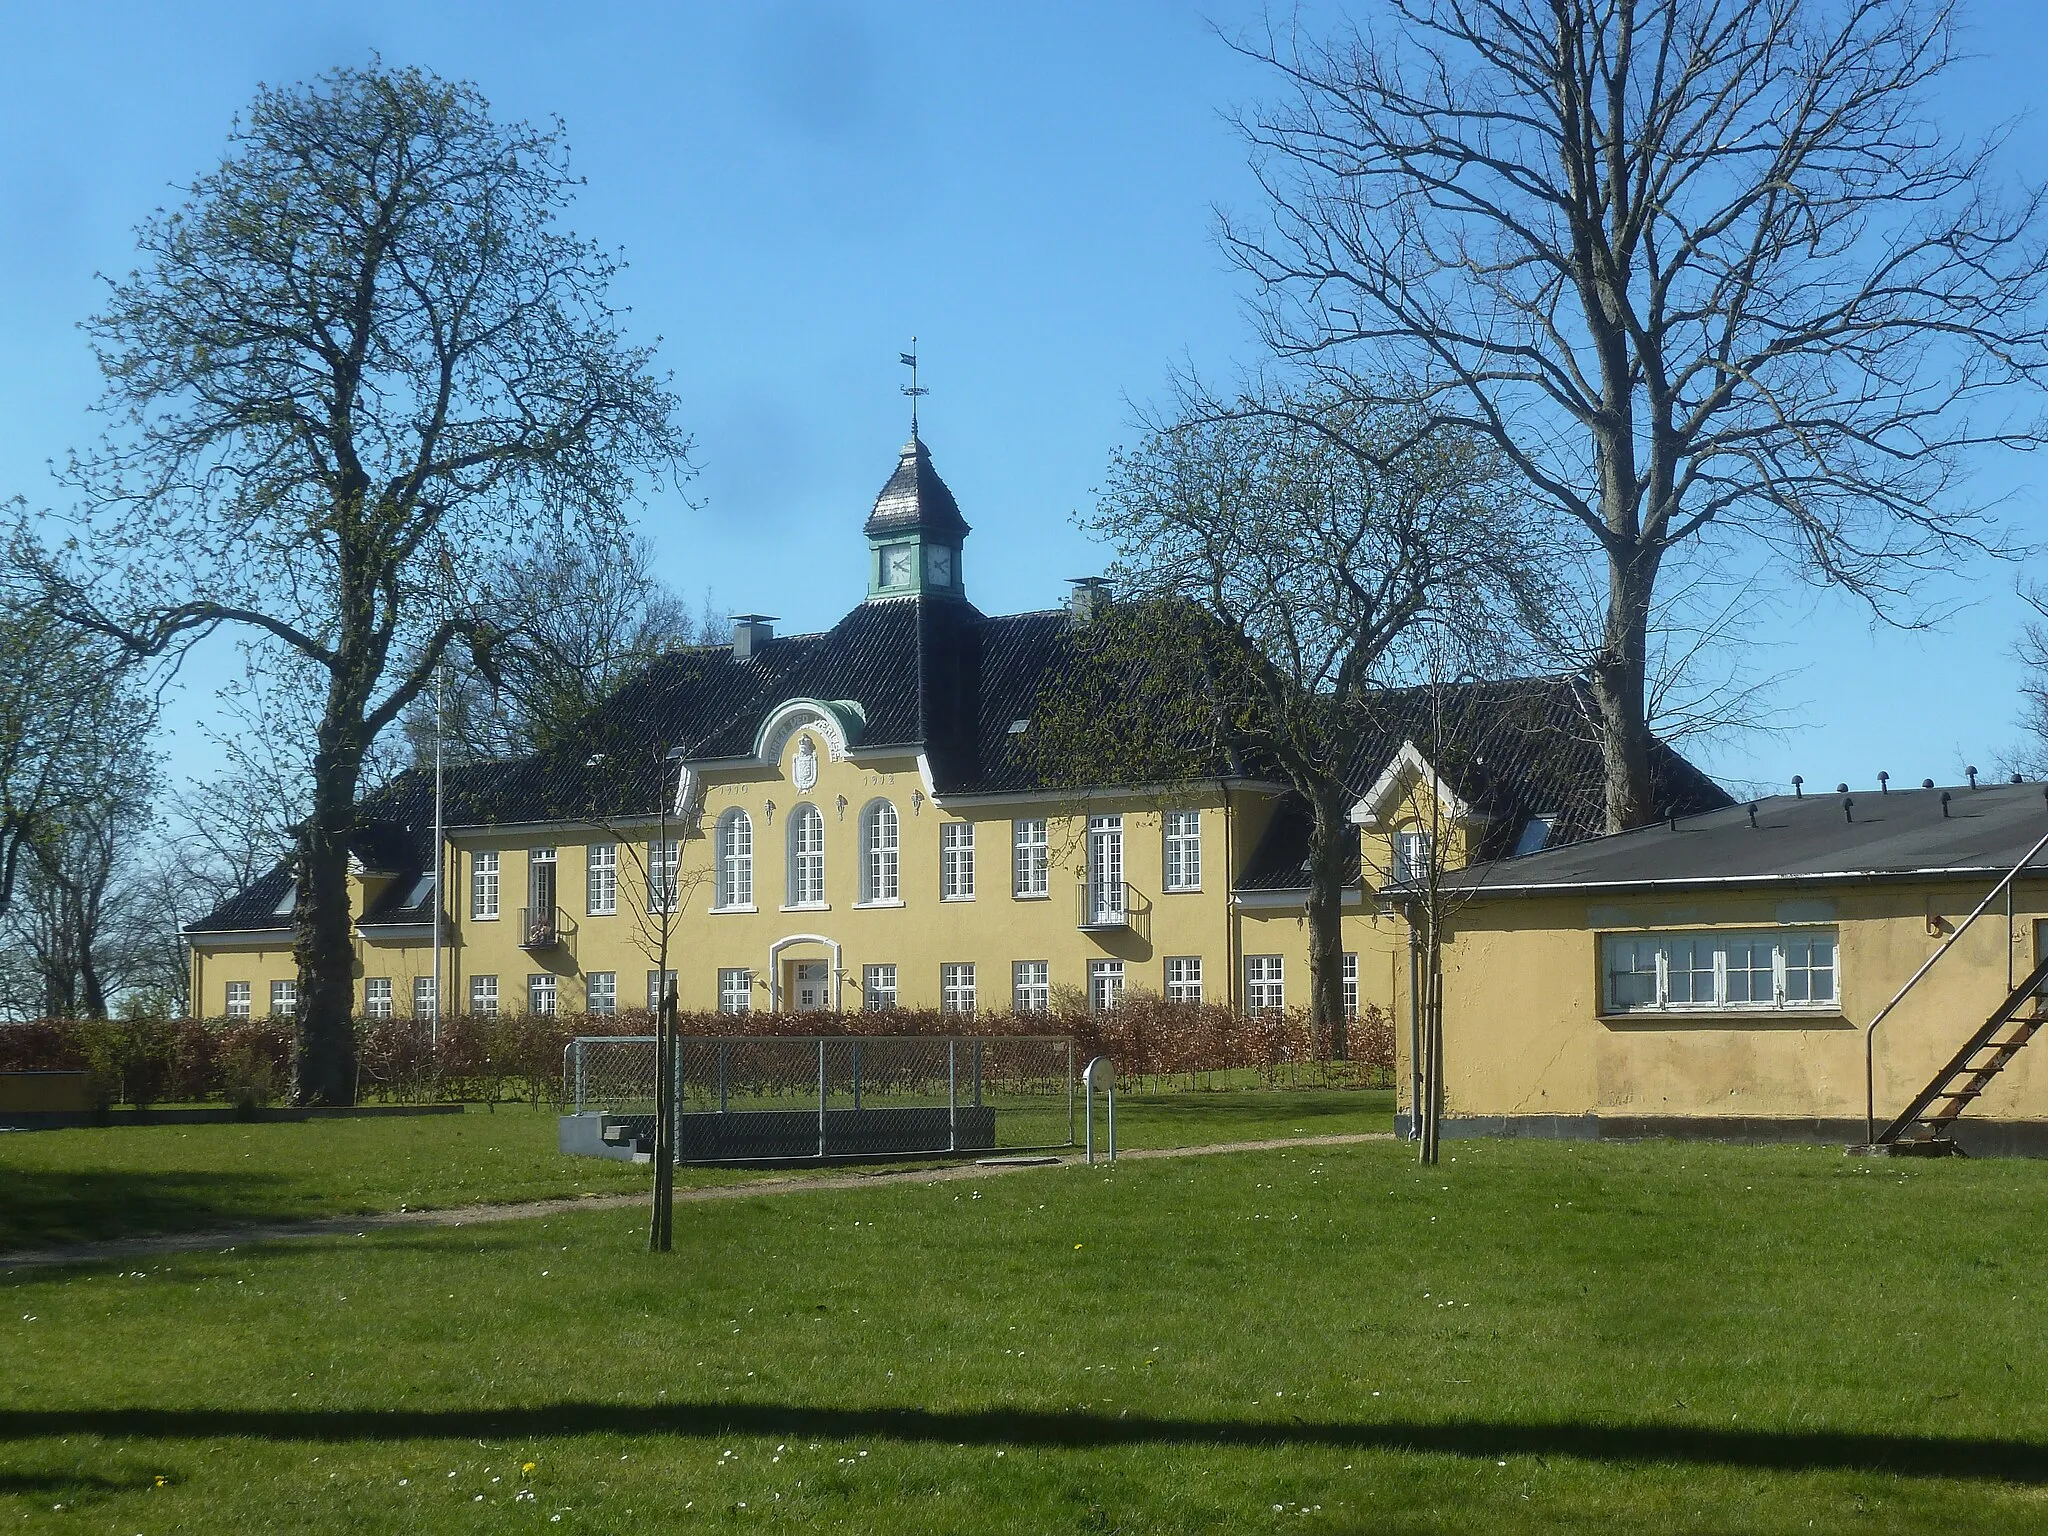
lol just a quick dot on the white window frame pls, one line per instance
(1183, 851)
(423, 997)
(881, 855)
(733, 846)
(877, 987)
(1105, 984)
(1265, 984)
(656, 986)
(483, 886)
(805, 834)
(956, 987)
(601, 880)
(664, 874)
(601, 992)
(1105, 869)
(735, 989)
(956, 861)
(1030, 859)
(1351, 987)
(236, 1001)
(1650, 956)
(483, 996)
(284, 999)
(377, 1001)
(1030, 986)
(1412, 854)
(1184, 978)
(543, 994)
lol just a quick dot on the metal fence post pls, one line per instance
(821, 1097)
(1070, 1090)
(952, 1095)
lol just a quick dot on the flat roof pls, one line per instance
(1864, 835)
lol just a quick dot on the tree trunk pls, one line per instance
(325, 948)
(1620, 690)
(1327, 845)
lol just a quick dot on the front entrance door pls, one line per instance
(813, 985)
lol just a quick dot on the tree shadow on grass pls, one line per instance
(46, 1208)
(1977, 1458)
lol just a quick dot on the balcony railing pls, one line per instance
(540, 927)
(1111, 906)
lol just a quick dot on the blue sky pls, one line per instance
(799, 187)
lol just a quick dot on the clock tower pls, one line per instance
(915, 532)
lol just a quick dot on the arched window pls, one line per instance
(878, 844)
(735, 860)
(806, 857)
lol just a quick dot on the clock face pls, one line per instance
(898, 566)
(939, 562)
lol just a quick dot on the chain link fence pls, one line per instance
(816, 1098)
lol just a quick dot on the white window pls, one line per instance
(483, 887)
(1720, 972)
(540, 883)
(806, 857)
(735, 990)
(956, 988)
(657, 981)
(1184, 979)
(878, 987)
(1351, 986)
(238, 999)
(540, 993)
(735, 860)
(878, 841)
(1105, 984)
(1411, 854)
(956, 861)
(1183, 850)
(284, 999)
(1030, 986)
(601, 992)
(1105, 871)
(1265, 988)
(1029, 857)
(377, 997)
(662, 860)
(601, 881)
(483, 994)
(423, 997)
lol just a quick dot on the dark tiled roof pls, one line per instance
(253, 907)
(1280, 861)
(1512, 750)
(1902, 835)
(915, 500)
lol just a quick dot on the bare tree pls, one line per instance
(1698, 269)
(1282, 559)
(360, 362)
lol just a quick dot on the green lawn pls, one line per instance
(75, 1186)
(1532, 1337)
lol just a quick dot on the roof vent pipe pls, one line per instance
(1944, 805)
(1797, 792)
(1752, 815)
(1090, 595)
(1972, 772)
(1849, 808)
(1884, 782)
(751, 631)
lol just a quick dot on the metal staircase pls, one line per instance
(1924, 1126)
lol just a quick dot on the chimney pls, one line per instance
(1090, 595)
(751, 631)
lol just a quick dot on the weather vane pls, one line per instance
(909, 360)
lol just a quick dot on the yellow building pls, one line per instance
(1720, 975)
(853, 820)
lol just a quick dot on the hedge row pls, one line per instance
(519, 1056)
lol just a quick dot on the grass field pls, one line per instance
(1531, 1337)
(82, 1185)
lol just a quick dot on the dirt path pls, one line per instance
(527, 1210)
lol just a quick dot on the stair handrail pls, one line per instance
(1870, 1033)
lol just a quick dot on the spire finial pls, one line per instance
(909, 360)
